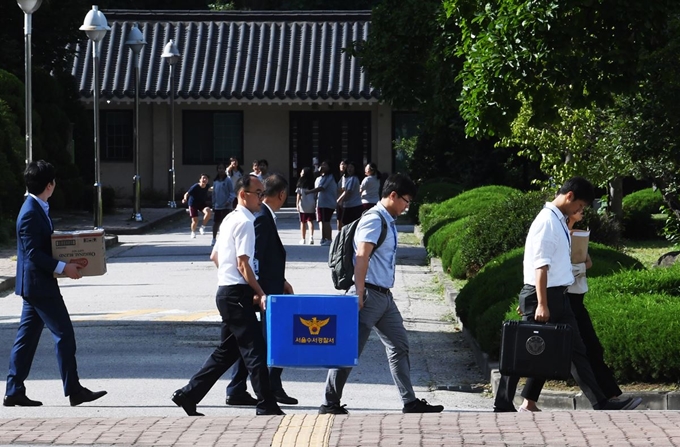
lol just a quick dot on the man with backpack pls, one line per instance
(375, 250)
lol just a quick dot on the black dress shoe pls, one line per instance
(244, 399)
(271, 410)
(85, 395)
(20, 401)
(283, 398)
(181, 400)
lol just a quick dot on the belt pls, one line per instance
(379, 289)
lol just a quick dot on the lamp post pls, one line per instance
(171, 55)
(135, 41)
(29, 7)
(95, 26)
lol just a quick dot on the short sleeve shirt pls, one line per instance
(327, 196)
(352, 197)
(198, 196)
(549, 244)
(237, 238)
(383, 262)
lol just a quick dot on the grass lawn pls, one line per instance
(648, 251)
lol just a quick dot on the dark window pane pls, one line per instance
(117, 135)
(212, 137)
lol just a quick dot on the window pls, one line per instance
(211, 137)
(117, 135)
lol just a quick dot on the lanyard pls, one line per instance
(566, 233)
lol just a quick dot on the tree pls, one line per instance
(549, 53)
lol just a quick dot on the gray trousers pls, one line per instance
(381, 314)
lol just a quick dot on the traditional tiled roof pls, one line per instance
(233, 56)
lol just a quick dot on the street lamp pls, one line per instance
(95, 26)
(171, 55)
(29, 7)
(136, 42)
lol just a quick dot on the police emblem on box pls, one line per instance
(314, 329)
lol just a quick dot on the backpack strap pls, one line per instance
(383, 230)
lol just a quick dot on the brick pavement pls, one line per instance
(559, 428)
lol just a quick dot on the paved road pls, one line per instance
(150, 322)
(147, 325)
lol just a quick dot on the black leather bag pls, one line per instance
(538, 350)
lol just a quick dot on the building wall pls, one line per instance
(265, 135)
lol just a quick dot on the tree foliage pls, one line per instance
(549, 53)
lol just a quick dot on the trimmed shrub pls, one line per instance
(647, 201)
(635, 316)
(451, 256)
(502, 227)
(465, 204)
(433, 192)
(638, 208)
(491, 296)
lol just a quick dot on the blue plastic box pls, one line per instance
(313, 331)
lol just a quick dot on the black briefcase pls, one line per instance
(538, 350)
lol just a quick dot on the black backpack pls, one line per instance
(341, 254)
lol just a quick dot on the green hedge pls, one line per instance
(465, 204)
(491, 297)
(445, 242)
(638, 208)
(502, 227)
(433, 192)
(635, 314)
(646, 201)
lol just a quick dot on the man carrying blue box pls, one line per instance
(374, 272)
(237, 291)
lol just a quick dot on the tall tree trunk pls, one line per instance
(616, 197)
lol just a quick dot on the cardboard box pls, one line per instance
(313, 331)
(86, 248)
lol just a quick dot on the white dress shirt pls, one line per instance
(237, 238)
(549, 244)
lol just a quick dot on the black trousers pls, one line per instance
(594, 350)
(239, 372)
(241, 337)
(560, 312)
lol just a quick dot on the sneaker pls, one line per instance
(212, 244)
(325, 242)
(311, 241)
(619, 404)
(302, 242)
(421, 406)
(201, 230)
(193, 235)
(333, 409)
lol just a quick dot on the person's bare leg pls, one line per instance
(207, 213)
(194, 224)
(303, 231)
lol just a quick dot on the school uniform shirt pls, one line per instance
(223, 194)
(549, 244)
(326, 198)
(382, 264)
(370, 189)
(237, 238)
(352, 198)
(198, 196)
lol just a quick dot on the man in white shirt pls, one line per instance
(238, 290)
(547, 275)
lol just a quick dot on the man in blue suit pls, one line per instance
(43, 303)
(271, 268)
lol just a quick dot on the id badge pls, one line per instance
(256, 266)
